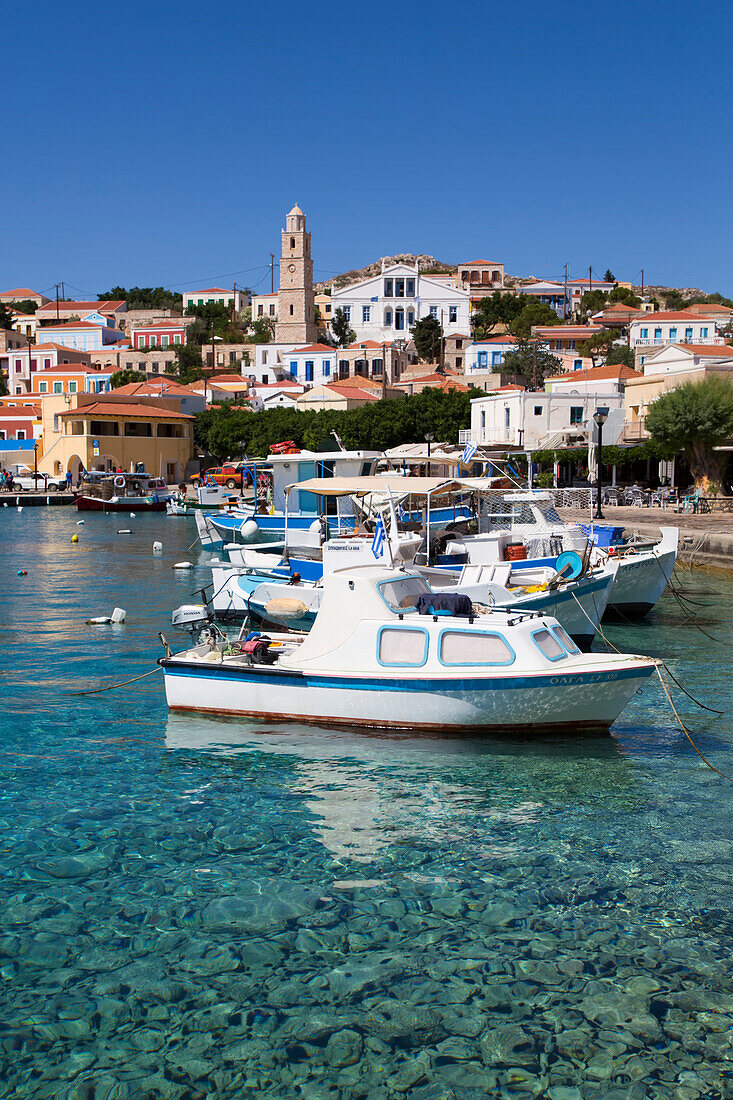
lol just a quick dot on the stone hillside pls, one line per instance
(428, 264)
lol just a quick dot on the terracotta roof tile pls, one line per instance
(123, 408)
(612, 370)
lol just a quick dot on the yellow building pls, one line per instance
(107, 432)
(670, 367)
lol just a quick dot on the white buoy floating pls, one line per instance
(157, 547)
(124, 531)
(80, 523)
(20, 507)
(118, 616)
(132, 515)
(183, 565)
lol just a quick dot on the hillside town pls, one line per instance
(104, 385)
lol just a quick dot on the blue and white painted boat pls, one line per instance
(373, 659)
(531, 518)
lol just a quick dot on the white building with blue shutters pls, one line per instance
(385, 307)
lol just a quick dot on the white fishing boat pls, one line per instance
(529, 519)
(380, 655)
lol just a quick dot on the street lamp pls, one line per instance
(600, 416)
(429, 437)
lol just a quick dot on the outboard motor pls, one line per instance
(191, 617)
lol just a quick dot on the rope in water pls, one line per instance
(686, 732)
(661, 664)
(111, 687)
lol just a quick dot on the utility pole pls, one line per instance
(565, 299)
(272, 273)
(63, 290)
(642, 282)
(442, 343)
(57, 285)
(590, 279)
(534, 365)
(384, 373)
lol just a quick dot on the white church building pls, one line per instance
(385, 307)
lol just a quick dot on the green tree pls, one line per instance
(532, 313)
(598, 345)
(261, 331)
(25, 305)
(609, 277)
(125, 377)
(144, 297)
(621, 353)
(6, 316)
(593, 300)
(189, 364)
(673, 299)
(695, 418)
(623, 294)
(207, 315)
(341, 329)
(427, 335)
(531, 358)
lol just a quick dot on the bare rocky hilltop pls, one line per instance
(428, 266)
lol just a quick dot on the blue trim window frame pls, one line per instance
(703, 332)
(643, 333)
(294, 368)
(402, 664)
(673, 333)
(657, 334)
(545, 630)
(474, 634)
(309, 370)
(496, 358)
(688, 333)
(387, 604)
(326, 367)
(565, 640)
(483, 358)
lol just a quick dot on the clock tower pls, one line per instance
(295, 304)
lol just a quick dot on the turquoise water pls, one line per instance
(208, 908)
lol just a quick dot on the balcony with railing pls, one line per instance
(634, 431)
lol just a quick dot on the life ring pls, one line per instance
(119, 482)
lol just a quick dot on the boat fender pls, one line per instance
(285, 608)
(22, 572)
(120, 482)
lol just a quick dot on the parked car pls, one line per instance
(27, 480)
(230, 474)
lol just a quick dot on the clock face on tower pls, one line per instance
(291, 268)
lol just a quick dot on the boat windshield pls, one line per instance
(402, 595)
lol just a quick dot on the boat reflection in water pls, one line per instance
(367, 791)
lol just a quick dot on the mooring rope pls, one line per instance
(111, 687)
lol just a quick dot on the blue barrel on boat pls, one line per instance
(574, 560)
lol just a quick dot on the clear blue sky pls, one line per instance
(162, 144)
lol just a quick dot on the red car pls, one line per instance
(228, 474)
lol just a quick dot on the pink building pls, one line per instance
(161, 334)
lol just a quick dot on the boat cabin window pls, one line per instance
(469, 647)
(402, 595)
(565, 638)
(548, 645)
(402, 646)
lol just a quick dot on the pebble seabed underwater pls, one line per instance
(203, 908)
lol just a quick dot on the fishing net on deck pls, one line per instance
(538, 516)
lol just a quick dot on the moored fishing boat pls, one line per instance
(379, 654)
(122, 493)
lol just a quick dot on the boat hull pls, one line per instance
(122, 504)
(563, 703)
(640, 581)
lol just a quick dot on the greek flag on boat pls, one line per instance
(468, 452)
(378, 541)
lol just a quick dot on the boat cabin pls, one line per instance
(287, 469)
